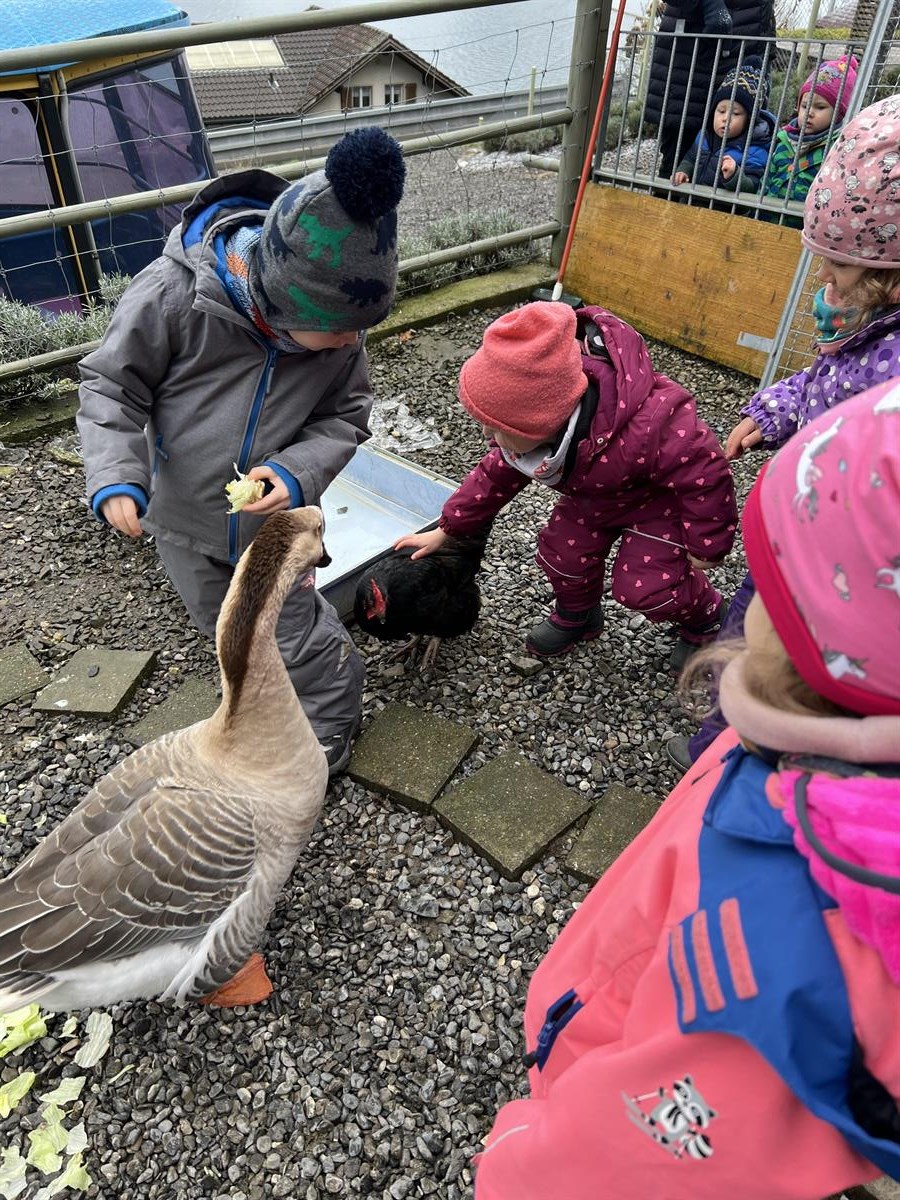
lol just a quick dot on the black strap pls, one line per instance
(887, 883)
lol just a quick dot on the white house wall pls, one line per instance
(387, 68)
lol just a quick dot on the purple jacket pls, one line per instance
(647, 454)
(867, 357)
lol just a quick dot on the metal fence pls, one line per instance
(650, 141)
(117, 208)
(877, 78)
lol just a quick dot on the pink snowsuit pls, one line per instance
(649, 471)
(631, 1100)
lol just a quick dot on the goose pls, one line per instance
(160, 883)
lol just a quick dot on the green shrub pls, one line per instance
(821, 35)
(532, 141)
(459, 231)
(26, 331)
(628, 116)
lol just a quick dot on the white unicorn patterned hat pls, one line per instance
(822, 536)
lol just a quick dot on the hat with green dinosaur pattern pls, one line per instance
(327, 256)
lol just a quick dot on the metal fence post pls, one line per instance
(585, 77)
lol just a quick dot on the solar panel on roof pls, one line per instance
(251, 54)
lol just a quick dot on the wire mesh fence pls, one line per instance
(76, 136)
(139, 126)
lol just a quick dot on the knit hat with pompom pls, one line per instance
(326, 260)
(526, 376)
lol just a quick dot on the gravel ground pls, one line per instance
(400, 958)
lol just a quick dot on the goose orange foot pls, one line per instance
(251, 985)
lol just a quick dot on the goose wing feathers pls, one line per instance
(140, 862)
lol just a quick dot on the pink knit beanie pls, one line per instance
(834, 82)
(526, 376)
(822, 536)
(852, 211)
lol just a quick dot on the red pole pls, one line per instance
(585, 170)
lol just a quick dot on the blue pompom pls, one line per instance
(366, 170)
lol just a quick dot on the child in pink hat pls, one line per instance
(719, 1018)
(572, 401)
(800, 146)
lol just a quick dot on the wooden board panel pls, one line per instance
(707, 282)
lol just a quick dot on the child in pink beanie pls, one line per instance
(800, 146)
(573, 402)
(719, 1018)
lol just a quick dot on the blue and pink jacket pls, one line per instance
(712, 1022)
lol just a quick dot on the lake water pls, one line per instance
(484, 49)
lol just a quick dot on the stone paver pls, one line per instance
(510, 811)
(618, 817)
(95, 682)
(20, 673)
(410, 754)
(194, 701)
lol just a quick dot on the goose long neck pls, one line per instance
(257, 692)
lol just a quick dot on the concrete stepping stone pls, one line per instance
(618, 817)
(20, 673)
(410, 754)
(510, 811)
(194, 701)
(95, 682)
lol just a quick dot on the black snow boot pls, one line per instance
(689, 641)
(563, 630)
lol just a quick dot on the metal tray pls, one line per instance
(377, 498)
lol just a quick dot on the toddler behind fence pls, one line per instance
(733, 147)
(800, 146)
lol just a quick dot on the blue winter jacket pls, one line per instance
(702, 163)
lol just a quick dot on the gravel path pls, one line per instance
(400, 958)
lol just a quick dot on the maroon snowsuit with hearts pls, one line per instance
(649, 474)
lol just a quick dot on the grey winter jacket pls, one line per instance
(183, 386)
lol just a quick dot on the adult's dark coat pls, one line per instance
(752, 19)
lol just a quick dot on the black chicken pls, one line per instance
(436, 596)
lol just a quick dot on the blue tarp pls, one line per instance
(42, 22)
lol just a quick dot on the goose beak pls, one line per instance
(325, 560)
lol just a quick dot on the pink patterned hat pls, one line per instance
(834, 81)
(852, 213)
(822, 536)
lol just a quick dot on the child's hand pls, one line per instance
(424, 543)
(701, 564)
(121, 512)
(273, 501)
(729, 166)
(679, 177)
(744, 436)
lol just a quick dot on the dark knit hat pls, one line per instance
(526, 376)
(327, 256)
(746, 84)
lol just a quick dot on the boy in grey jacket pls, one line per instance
(244, 343)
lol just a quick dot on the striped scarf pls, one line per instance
(234, 253)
